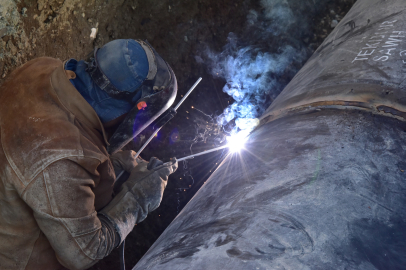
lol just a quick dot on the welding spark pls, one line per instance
(236, 142)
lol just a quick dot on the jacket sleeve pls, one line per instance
(63, 203)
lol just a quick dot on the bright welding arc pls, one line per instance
(235, 144)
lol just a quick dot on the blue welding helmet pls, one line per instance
(133, 71)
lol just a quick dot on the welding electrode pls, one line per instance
(159, 128)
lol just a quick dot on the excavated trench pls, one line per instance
(191, 35)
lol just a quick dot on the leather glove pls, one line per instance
(154, 163)
(124, 161)
(139, 195)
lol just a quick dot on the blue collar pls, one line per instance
(106, 107)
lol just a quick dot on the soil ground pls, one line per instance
(180, 30)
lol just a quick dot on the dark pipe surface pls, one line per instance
(321, 183)
(323, 190)
(361, 64)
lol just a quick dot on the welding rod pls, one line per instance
(176, 108)
(147, 142)
(188, 93)
(202, 153)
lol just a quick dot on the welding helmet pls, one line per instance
(151, 88)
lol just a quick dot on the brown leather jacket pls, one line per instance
(55, 172)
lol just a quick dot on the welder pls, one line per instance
(62, 127)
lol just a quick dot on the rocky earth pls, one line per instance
(187, 33)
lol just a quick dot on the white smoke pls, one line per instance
(250, 81)
(257, 67)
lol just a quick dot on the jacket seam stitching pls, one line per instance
(46, 187)
(81, 234)
(44, 167)
(52, 162)
(10, 161)
(32, 250)
(76, 241)
(66, 228)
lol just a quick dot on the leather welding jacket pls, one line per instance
(55, 172)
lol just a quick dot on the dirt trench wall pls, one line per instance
(61, 29)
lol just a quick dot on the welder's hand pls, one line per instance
(152, 182)
(151, 179)
(124, 160)
(139, 195)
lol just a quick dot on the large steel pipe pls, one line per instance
(321, 184)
